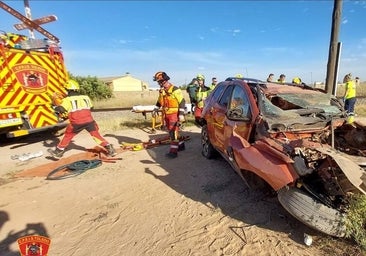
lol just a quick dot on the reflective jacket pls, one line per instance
(350, 89)
(171, 101)
(78, 108)
(201, 95)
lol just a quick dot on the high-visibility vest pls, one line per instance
(350, 89)
(171, 100)
(201, 95)
(78, 108)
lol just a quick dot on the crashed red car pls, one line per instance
(296, 139)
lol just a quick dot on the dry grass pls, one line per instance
(127, 119)
(129, 99)
(130, 120)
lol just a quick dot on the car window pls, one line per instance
(217, 92)
(225, 98)
(239, 100)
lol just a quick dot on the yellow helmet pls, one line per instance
(72, 85)
(296, 80)
(200, 77)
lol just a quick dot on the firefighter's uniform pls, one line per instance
(77, 107)
(172, 104)
(201, 95)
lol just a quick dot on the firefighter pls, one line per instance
(191, 90)
(201, 95)
(281, 79)
(349, 97)
(270, 78)
(172, 104)
(77, 108)
(213, 83)
(296, 80)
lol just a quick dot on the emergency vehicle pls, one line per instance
(32, 76)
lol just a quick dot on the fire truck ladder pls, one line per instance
(56, 57)
(3, 55)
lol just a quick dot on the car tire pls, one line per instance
(208, 150)
(311, 212)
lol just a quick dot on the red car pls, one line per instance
(293, 137)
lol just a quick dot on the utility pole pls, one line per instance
(29, 16)
(330, 82)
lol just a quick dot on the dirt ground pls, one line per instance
(145, 204)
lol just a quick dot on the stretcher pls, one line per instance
(157, 120)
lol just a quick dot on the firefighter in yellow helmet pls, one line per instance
(296, 80)
(201, 95)
(349, 97)
(172, 104)
(72, 85)
(77, 108)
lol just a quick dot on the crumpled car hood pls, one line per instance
(292, 112)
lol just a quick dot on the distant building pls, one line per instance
(319, 85)
(126, 83)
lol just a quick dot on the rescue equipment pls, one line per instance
(73, 169)
(151, 143)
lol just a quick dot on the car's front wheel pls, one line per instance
(311, 212)
(208, 150)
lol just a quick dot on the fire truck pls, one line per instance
(32, 76)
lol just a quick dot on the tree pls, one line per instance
(93, 87)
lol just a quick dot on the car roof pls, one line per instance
(245, 79)
(252, 82)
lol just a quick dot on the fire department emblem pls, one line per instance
(34, 78)
(34, 245)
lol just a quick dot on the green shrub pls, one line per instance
(356, 220)
(93, 87)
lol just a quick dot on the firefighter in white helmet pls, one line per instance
(77, 108)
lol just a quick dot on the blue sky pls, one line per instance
(213, 38)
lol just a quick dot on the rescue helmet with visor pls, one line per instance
(161, 77)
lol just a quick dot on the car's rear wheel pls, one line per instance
(311, 212)
(208, 150)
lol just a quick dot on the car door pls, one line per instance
(238, 117)
(219, 118)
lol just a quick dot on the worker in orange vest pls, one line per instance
(172, 104)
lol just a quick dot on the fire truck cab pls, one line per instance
(32, 73)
